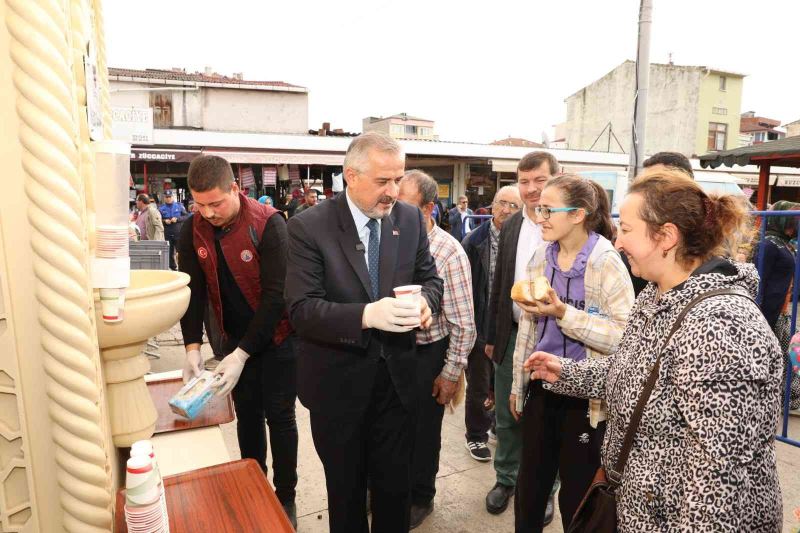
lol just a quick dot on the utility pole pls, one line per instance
(641, 86)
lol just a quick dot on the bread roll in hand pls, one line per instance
(528, 292)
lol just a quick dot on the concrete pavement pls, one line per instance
(462, 483)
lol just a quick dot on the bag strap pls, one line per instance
(615, 475)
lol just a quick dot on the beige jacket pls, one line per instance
(609, 298)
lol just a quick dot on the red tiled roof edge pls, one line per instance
(193, 76)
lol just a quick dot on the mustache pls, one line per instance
(386, 200)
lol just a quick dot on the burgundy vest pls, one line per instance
(240, 248)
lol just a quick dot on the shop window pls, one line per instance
(717, 134)
(162, 109)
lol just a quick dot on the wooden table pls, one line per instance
(232, 497)
(218, 410)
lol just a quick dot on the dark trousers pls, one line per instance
(375, 444)
(556, 438)
(428, 438)
(172, 238)
(267, 390)
(479, 376)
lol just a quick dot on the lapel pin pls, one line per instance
(396, 232)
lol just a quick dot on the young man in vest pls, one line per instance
(235, 249)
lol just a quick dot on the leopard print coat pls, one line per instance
(704, 456)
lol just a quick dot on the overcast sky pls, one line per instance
(481, 70)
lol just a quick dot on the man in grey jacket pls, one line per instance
(151, 227)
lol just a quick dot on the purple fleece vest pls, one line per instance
(570, 289)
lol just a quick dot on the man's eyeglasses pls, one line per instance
(508, 205)
(545, 212)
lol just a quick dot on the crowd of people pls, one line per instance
(306, 308)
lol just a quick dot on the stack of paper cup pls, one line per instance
(144, 448)
(112, 241)
(143, 497)
(411, 293)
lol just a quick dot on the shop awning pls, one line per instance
(163, 155)
(278, 158)
(781, 153)
(504, 165)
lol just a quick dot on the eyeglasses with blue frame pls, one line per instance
(545, 212)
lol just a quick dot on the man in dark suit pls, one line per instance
(356, 358)
(460, 225)
(519, 238)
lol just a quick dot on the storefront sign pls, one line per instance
(444, 191)
(132, 124)
(93, 108)
(164, 156)
(786, 181)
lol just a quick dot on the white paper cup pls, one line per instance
(141, 481)
(110, 305)
(410, 293)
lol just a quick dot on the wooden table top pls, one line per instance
(231, 497)
(217, 411)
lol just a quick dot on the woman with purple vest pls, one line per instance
(583, 316)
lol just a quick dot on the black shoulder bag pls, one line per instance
(597, 512)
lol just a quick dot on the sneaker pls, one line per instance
(492, 436)
(479, 451)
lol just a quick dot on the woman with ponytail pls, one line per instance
(582, 317)
(702, 457)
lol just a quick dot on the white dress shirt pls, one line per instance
(361, 221)
(530, 237)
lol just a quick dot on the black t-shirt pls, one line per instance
(236, 312)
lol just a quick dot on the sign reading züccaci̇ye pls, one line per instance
(132, 125)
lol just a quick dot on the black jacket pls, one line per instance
(501, 315)
(477, 245)
(326, 292)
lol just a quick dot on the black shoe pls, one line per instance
(291, 513)
(419, 513)
(549, 510)
(497, 499)
(479, 451)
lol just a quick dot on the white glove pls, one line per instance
(229, 370)
(391, 314)
(193, 366)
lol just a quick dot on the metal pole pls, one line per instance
(641, 84)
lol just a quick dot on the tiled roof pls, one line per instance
(516, 141)
(177, 75)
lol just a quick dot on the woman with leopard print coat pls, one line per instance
(703, 458)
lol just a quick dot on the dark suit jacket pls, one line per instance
(456, 226)
(501, 315)
(477, 245)
(327, 288)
